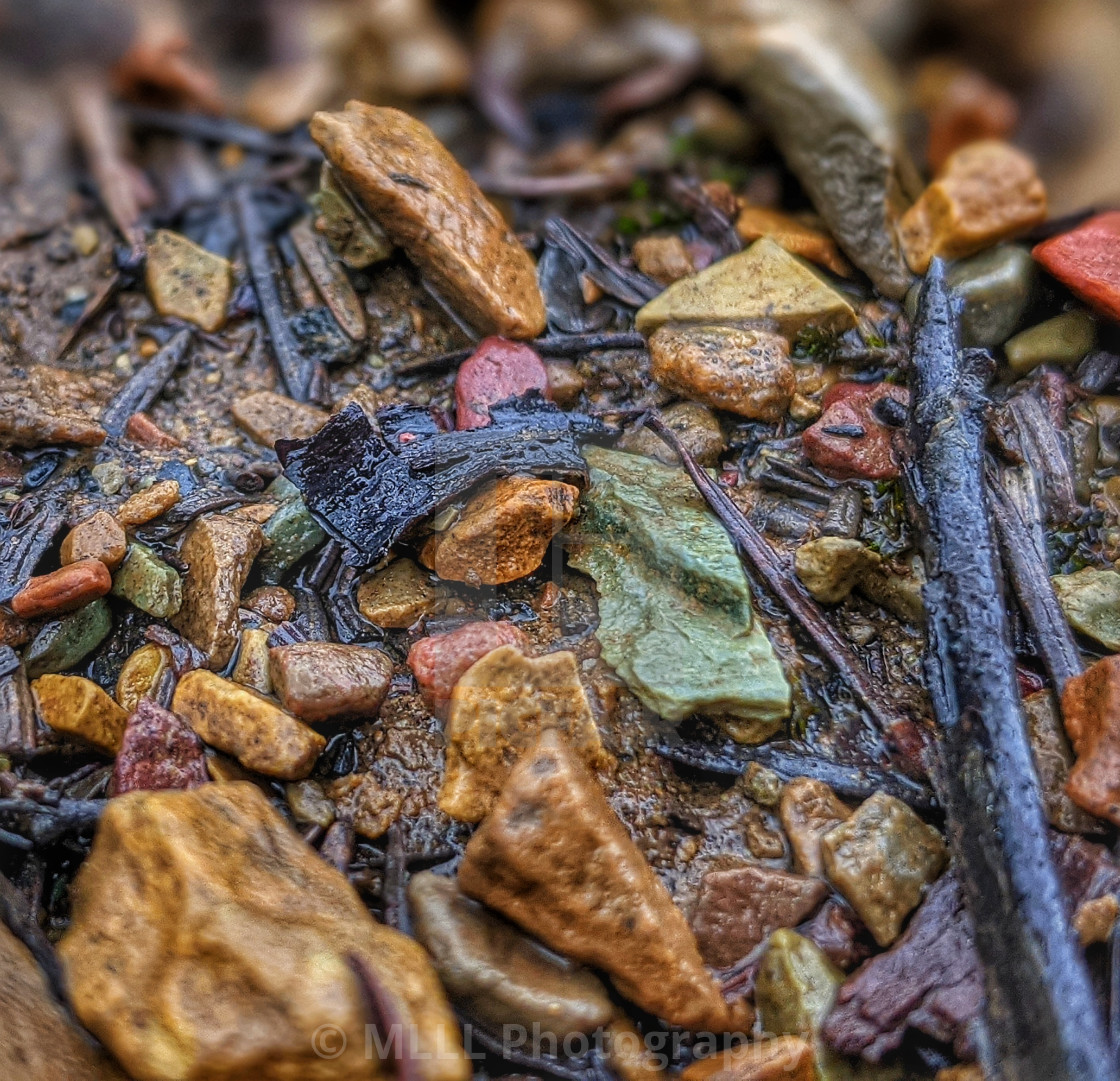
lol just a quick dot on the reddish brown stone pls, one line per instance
(63, 590)
(850, 406)
(838, 933)
(159, 750)
(273, 602)
(143, 431)
(323, 681)
(498, 369)
(1091, 709)
(962, 106)
(1087, 260)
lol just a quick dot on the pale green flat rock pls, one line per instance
(676, 621)
(1090, 599)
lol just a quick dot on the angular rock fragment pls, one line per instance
(784, 1058)
(265, 416)
(62, 643)
(1065, 339)
(64, 590)
(553, 858)
(498, 369)
(1090, 599)
(663, 258)
(252, 667)
(288, 534)
(141, 674)
(324, 681)
(208, 940)
(158, 750)
(696, 426)
(808, 810)
(1053, 758)
(100, 536)
(359, 241)
(148, 582)
(1087, 260)
(792, 234)
(499, 708)
(850, 439)
(41, 405)
(76, 706)
(396, 596)
(309, 804)
(795, 986)
(1091, 710)
(830, 567)
(368, 806)
(272, 602)
(147, 505)
(188, 282)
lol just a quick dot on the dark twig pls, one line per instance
(215, 129)
(45, 822)
(94, 306)
(393, 897)
(629, 286)
(145, 385)
(557, 345)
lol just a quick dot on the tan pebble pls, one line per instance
(141, 674)
(146, 506)
(565, 384)
(148, 348)
(783, 1058)
(371, 808)
(396, 596)
(251, 669)
(763, 841)
(99, 537)
(63, 590)
(831, 567)
(1093, 921)
(265, 416)
(629, 1055)
(309, 804)
(85, 239)
(76, 706)
(796, 237)
(697, 427)
(188, 282)
(808, 810)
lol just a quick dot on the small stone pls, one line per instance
(62, 643)
(565, 384)
(327, 681)
(266, 416)
(252, 667)
(359, 241)
(962, 106)
(1087, 260)
(288, 535)
(40, 405)
(663, 258)
(397, 596)
(796, 237)
(985, 192)
(148, 505)
(180, 890)
(76, 706)
(309, 804)
(188, 282)
(98, 537)
(497, 974)
(1091, 711)
(428, 204)
(502, 532)
(64, 590)
(110, 476)
(1093, 921)
(1053, 758)
(743, 371)
(1065, 339)
(628, 1054)
(763, 841)
(784, 1058)
(739, 908)
(763, 785)
(158, 750)
(808, 810)
(900, 594)
(145, 581)
(141, 674)
(144, 432)
(995, 286)
(795, 986)
(499, 708)
(831, 567)
(260, 735)
(849, 440)
(553, 858)
(366, 804)
(498, 369)
(440, 661)
(274, 603)
(219, 551)
(1090, 599)
(696, 426)
(85, 239)
(882, 859)
(763, 283)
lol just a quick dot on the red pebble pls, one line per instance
(496, 370)
(144, 432)
(1087, 259)
(851, 405)
(439, 662)
(63, 590)
(159, 750)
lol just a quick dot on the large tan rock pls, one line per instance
(209, 942)
(428, 204)
(76, 706)
(554, 858)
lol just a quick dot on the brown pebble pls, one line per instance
(397, 595)
(99, 537)
(146, 506)
(63, 590)
(141, 673)
(144, 432)
(273, 602)
(265, 416)
(370, 807)
(1094, 919)
(187, 281)
(565, 384)
(325, 681)
(40, 405)
(796, 237)
(663, 258)
(808, 810)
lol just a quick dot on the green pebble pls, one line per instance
(288, 536)
(1090, 599)
(62, 643)
(149, 583)
(1065, 339)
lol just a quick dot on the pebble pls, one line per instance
(696, 426)
(1087, 261)
(85, 239)
(743, 371)
(1094, 920)
(1090, 599)
(831, 567)
(762, 284)
(183, 888)
(995, 286)
(763, 785)
(428, 204)
(763, 841)
(287, 535)
(148, 505)
(327, 681)
(739, 908)
(265, 416)
(100, 536)
(795, 986)
(497, 974)
(834, 443)
(440, 661)
(158, 750)
(553, 858)
(808, 810)
(984, 193)
(502, 532)
(144, 432)
(1091, 710)
(76, 706)
(252, 667)
(188, 282)
(274, 603)
(359, 241)
(397, 596)
(783, 1058)
(64, 590)
(237, 720)
(219, 551)
(498, 369)
(149, 583)
(565, 384)
(900, 594)
(62, 643)
(795, 236)
(881, 859)
(665, 259)
(330, 279)
(676, 620)
(309, 804)
(141, 674)
(499, 708)
(962, 106)
(370, 808)
(1065, 339)
(40, 405)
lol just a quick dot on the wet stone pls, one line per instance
(40, 405)
(309, 804)
(763, 785)
(149, 504)
(553, 858)
(186, 281)
(995, 286)
(696, 426)
(158, 750)
(265, 416)
(1087, 260)
(795, 236)
(1053, 759)
(499, 708)
(849, 440)
(497, 974)
(831, 567)
(743, 371)
(808, 810)
(369, 807)
(764, 842)
(396, 596)
(141, 673)
(272, 602)
(359, 241)
(287, 536)
(149, 583)
(237, 720)
(64, 590)
(1065, 339)
(76, 706)
(1090, 599)
(326, 681)
(98, 537)
(62, 643)
(796, 985)
(882, 859)
(1091, 710)
(565, 384)
(496, 370)
(663, 258)
(144, 432)
(252, 667)
(784, 1058)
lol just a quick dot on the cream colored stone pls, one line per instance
(188, 282)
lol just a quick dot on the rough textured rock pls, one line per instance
(796, 985)
(368, 806)
(158, 750)
(743, 371)
(831, 567)
(696, 426)
(1090, 599)
(737, 909)
(396, 596)
(62, 643)
(499, 708)
(1091, 710)
(882, 859)
(1087, 259)
(502, 532)
(427, 204)
(148, 582)
(219, 551)
(147, 505)
(324, 681)
(275, 603)
(497, 974)
(140, 674)
(808, 810)
(77, 706)
(260, 735)
(41, 405)
(496, 370)
(795, 236)
(553, 858)
(99, 536)
(849, 439)
(762, 284)
(265, 416)
(64, 590)
(1053, 759)
(676, 620)
(663, 258)
(186, 281)
(359, 241)
(252, 668)
(208, 940)
(439, 661)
